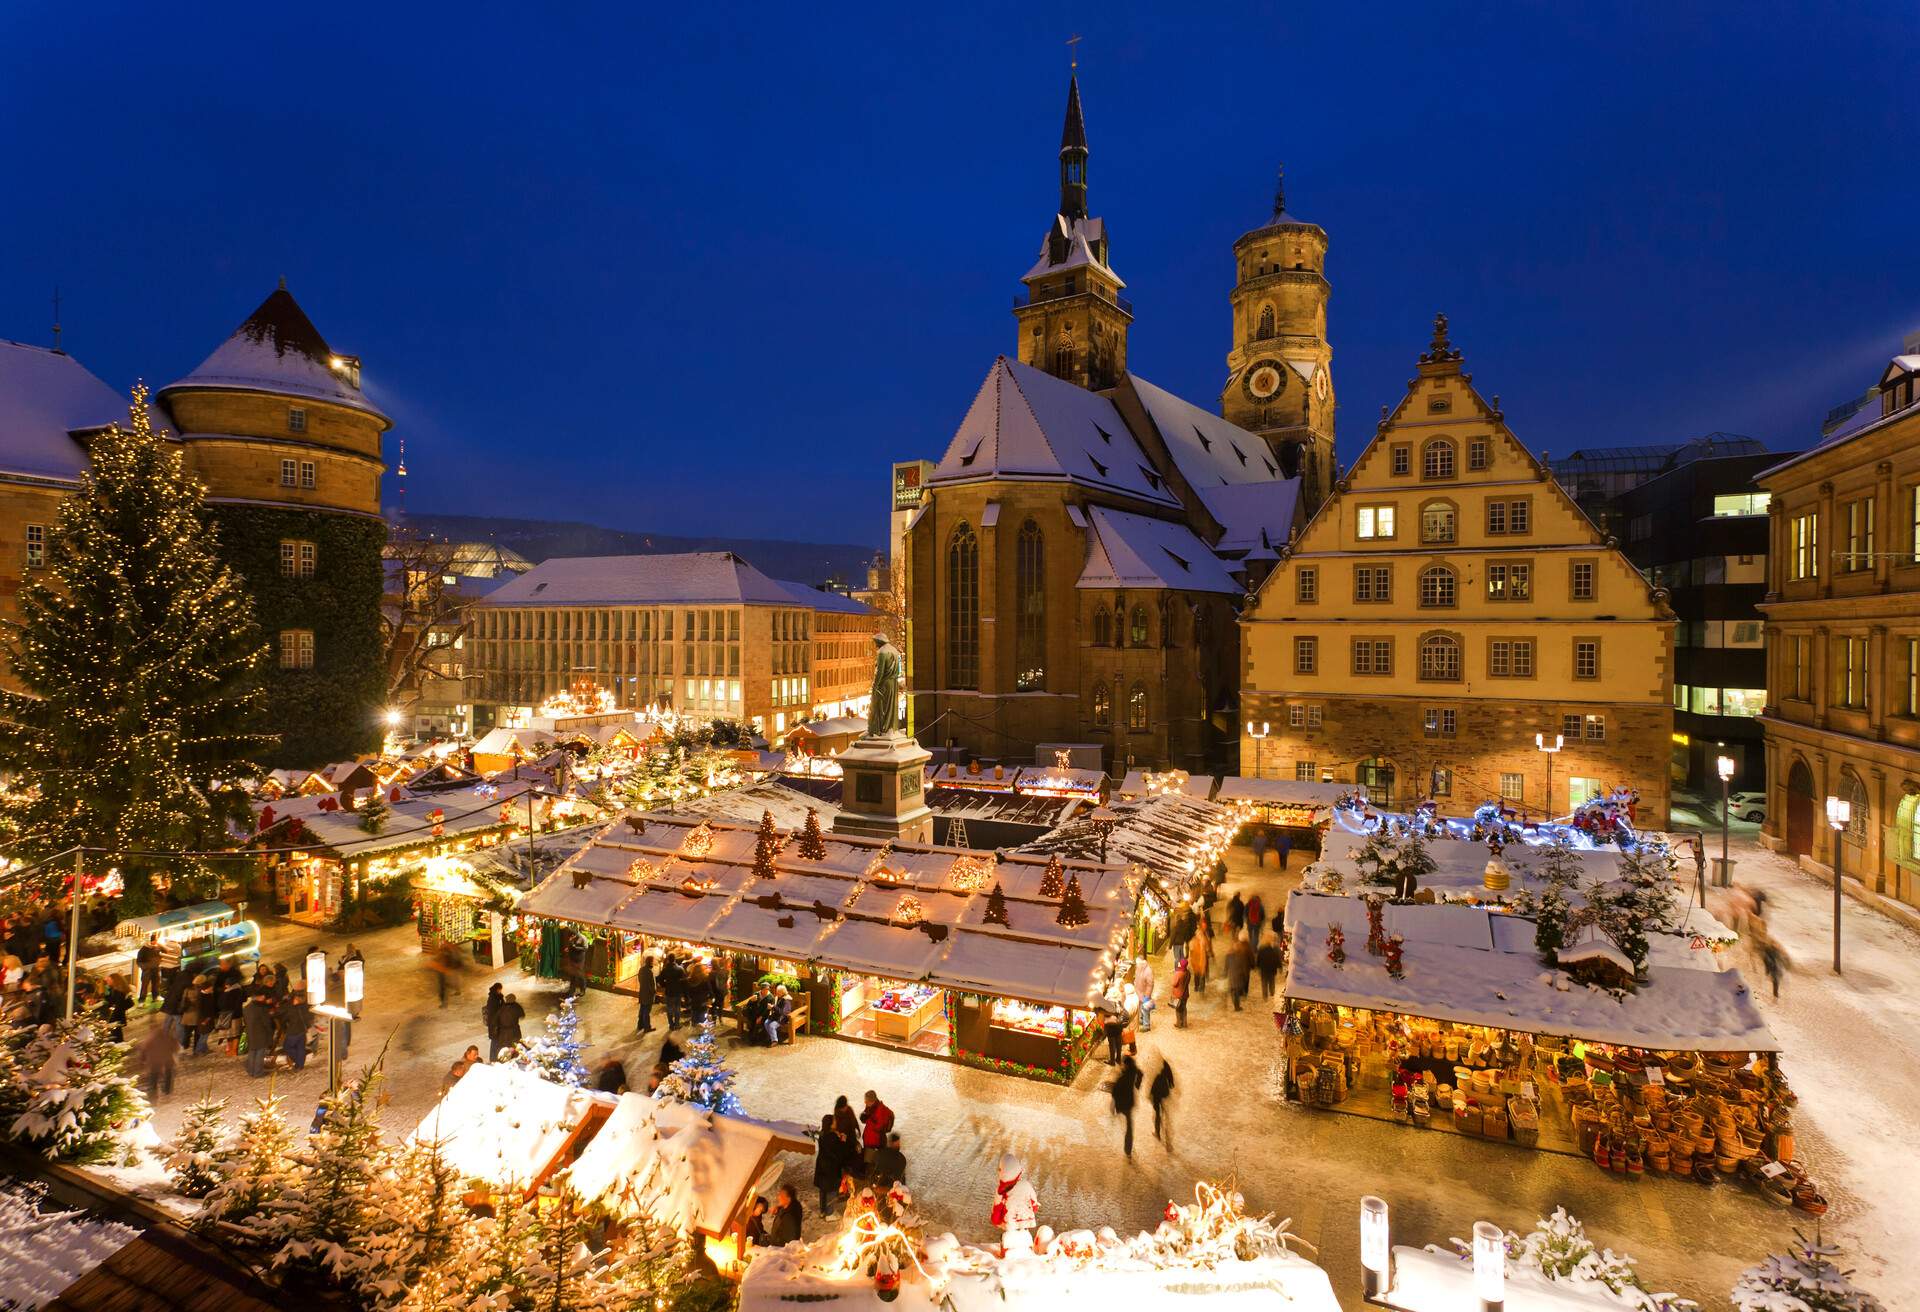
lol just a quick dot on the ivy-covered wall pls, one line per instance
(332, 711)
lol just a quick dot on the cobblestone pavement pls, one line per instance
(1312, 1166)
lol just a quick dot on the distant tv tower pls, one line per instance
(400, 472)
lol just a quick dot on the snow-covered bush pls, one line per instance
(198, 1156)
(1558, 1250)
(79, 1103)
(1803, 1279)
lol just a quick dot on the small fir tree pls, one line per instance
(260, 1172)
(200, 1152)
(996, 912)
(327, 1225)
(766, 846)
(424, 1213)
(556, 1055)
(139, 668)
(700, 1077)
(374, 812)
(813, 844)
(81, 1103)
(1053, 882)
(1805, 1278)
(1552, 908)
(1073, 906)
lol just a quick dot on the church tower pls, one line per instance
(1073, 320)
(1279, 372)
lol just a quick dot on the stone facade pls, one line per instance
(1444, 607)
(1843, 643)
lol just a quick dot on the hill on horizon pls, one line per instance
(542, 539)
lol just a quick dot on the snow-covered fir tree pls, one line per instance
(700, 1077)
(260, 1170)
(423, 1217)
(81, 1105)
(1559, 1250)
(199, 1154)
(1803, 1279)
(1552, 906)
(556, 1055)
(1637, 903)
(139, 669)
(323, 1230)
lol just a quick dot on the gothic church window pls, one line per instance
(963, 609)
(1137, 627)
(1102, 628)
(1266, 322)
(1102, 706)
(1137, 708)
(1030, 640)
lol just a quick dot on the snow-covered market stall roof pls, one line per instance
(410, 821)
(508, 1126)
(1280, 792)
(746, 803)
(903, 911)
(1477, 966)
(1171, 835)
(1059, 781)
(956, 803)
(680, 1165)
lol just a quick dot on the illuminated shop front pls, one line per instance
(992, 959)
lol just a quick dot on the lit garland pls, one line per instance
(909, 911)
(970, 873)
(698, 842)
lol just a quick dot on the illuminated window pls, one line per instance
(1741, 503)
(1437, 521)
(296, 649)
(1859, 520)
(36, 545)
(1306, 772)
(1805, 535)
(1137, 627)
(1137, 708)
(1297, 716)
(1513, 787)
(1439, 721)
(1596, 727)
(1442, 781)
(1850, 672)
(1373, 522)
(1102, 706)
(963, 609)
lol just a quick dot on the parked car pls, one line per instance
(1748, 806)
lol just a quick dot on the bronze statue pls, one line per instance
(883, 711)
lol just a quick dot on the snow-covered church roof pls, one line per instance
(1083, 237)
(1026, 424)
(1133, 551)
(278, 350)
(1255, 517)
(1210, 451)
(45, 398)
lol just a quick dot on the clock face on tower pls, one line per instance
(1264, 379)
(1320, 384)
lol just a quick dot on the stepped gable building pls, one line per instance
(1446, 605)
(703, 632)
(1078, 556)
(1842, 610)
(275, 424)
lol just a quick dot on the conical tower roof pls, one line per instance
(278, 350)
(1073, 134)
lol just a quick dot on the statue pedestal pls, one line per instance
(882, 790)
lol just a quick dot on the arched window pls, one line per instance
(1440, 658)
(1029, 622)
(1063, 356)
(1436, 459)
(1858, 818)
(1102, 627)
(1439, 522)
(963, 609)
(1102, 707)
(1438, 586)
(1137, 708)
(1137, 627)
(1202, 626)
(1166, 621)
(1266, 323)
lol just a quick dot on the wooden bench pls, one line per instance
(797, 1019)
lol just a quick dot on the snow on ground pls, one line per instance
(1849, 1050)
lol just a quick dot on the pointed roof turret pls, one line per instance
(278, 350)
(1073, 157)
(1073, 136)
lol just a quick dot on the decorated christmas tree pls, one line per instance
(1073, 906)
(81, 1105)
(424, 1216)
(139, 668)
(556, 1054)
(260, 1170)
(374, 812)
(766, 846)
(1803, 1279)
(199, 1154)
(996, 912)
(700, 1077)
(813, 845)
(1053, 882)
(324, 1228)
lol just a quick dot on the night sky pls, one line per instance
(712, 268)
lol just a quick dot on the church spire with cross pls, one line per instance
(1073, 156)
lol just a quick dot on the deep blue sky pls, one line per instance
(711, 268)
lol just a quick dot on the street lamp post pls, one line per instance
(1839, 815)
(352, 989)
(1540, 741)
(1259, 735)
(1724, 875)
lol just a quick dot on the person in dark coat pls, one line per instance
(670, 1050)
(1283, 848)
(1177, 991)
(490, 1016)
(645, 986)
(672, 982)
(1239, 968)
(787, 1217)
(1259, 846)
(507, 1023)
(1236, 914)
(612, 1076)
(174, 1005)
(755, 1230)
(115, 1005)
(1126, 1090)
(889, 1164)
(1267, 961)
(830, 1153)
(1113, 1025)
(256, 1021)
(1180, 928)
(296, 1018)
(1157, 1093)
(148, 960)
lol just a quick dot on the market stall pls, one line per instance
(459, 902)
(207, 934)
(1295, 809)
(510, 1128)
(907, 945)
(1447, 1016)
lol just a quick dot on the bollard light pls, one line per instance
(316, 977)
(1489, 1266)
(354, 981)
(1374, 1245)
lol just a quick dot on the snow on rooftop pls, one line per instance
(505, 1125)
(45, 397)
(682, 578)
(1133, 551)
(1210, 451)
(1255, 516)
(682, 1166)
(277, 350)
(1456, 967)
(1082, 235)
(1025, 424)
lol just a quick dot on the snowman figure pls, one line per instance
(1016, 1208)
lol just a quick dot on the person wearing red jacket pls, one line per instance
(876, 1119)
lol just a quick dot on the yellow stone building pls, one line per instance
(1843, 642)
(1444, 607)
